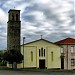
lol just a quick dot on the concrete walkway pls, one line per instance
(33, 72)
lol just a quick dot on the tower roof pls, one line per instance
(13, 10)
(66, 41)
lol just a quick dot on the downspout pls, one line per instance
(67, 56)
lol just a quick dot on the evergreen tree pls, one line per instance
(13, 56)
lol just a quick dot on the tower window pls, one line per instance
(12, 16)
(17, 17)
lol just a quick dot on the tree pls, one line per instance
(13, 56)
(2, 62)
(1, 56)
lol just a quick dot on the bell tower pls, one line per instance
(13, 30)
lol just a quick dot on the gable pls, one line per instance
(40, 42)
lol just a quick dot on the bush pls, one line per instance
(13, 56)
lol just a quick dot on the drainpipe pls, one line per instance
(67, 56)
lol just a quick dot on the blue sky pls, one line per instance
(54, 19)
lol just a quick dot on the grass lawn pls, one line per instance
(3, 67)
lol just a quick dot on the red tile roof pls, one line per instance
(66, 41)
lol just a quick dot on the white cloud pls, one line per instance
(68, 32)
(3, 17)
(22, 7)
(42, 1)
(50, 18)
(73, 27)
(37, 14)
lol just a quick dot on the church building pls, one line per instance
(41, 54)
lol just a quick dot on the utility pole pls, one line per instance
(23, 50)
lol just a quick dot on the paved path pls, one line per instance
(10, 72)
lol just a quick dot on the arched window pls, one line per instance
(16, 17)
(12, 16)
(51, 56)
(41, 51)
(44, 52)
(31, 56)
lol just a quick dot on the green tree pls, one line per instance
(2, 62)
(1, 56)
(13, 56)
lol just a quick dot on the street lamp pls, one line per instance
(23, 51)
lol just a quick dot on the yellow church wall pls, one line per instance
(35, 46)
(28, 62)
(56, 62)
(39, 44)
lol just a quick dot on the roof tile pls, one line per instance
(66, 41)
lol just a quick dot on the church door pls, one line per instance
(41, 64)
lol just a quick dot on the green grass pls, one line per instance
(3, 67)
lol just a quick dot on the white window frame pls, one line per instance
(72, 49)
(62, 50)
(72, 62)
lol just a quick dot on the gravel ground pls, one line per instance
(28, 72)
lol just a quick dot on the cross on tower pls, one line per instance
(14, 7)
(41, 36)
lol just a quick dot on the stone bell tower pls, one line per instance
(13, 30)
